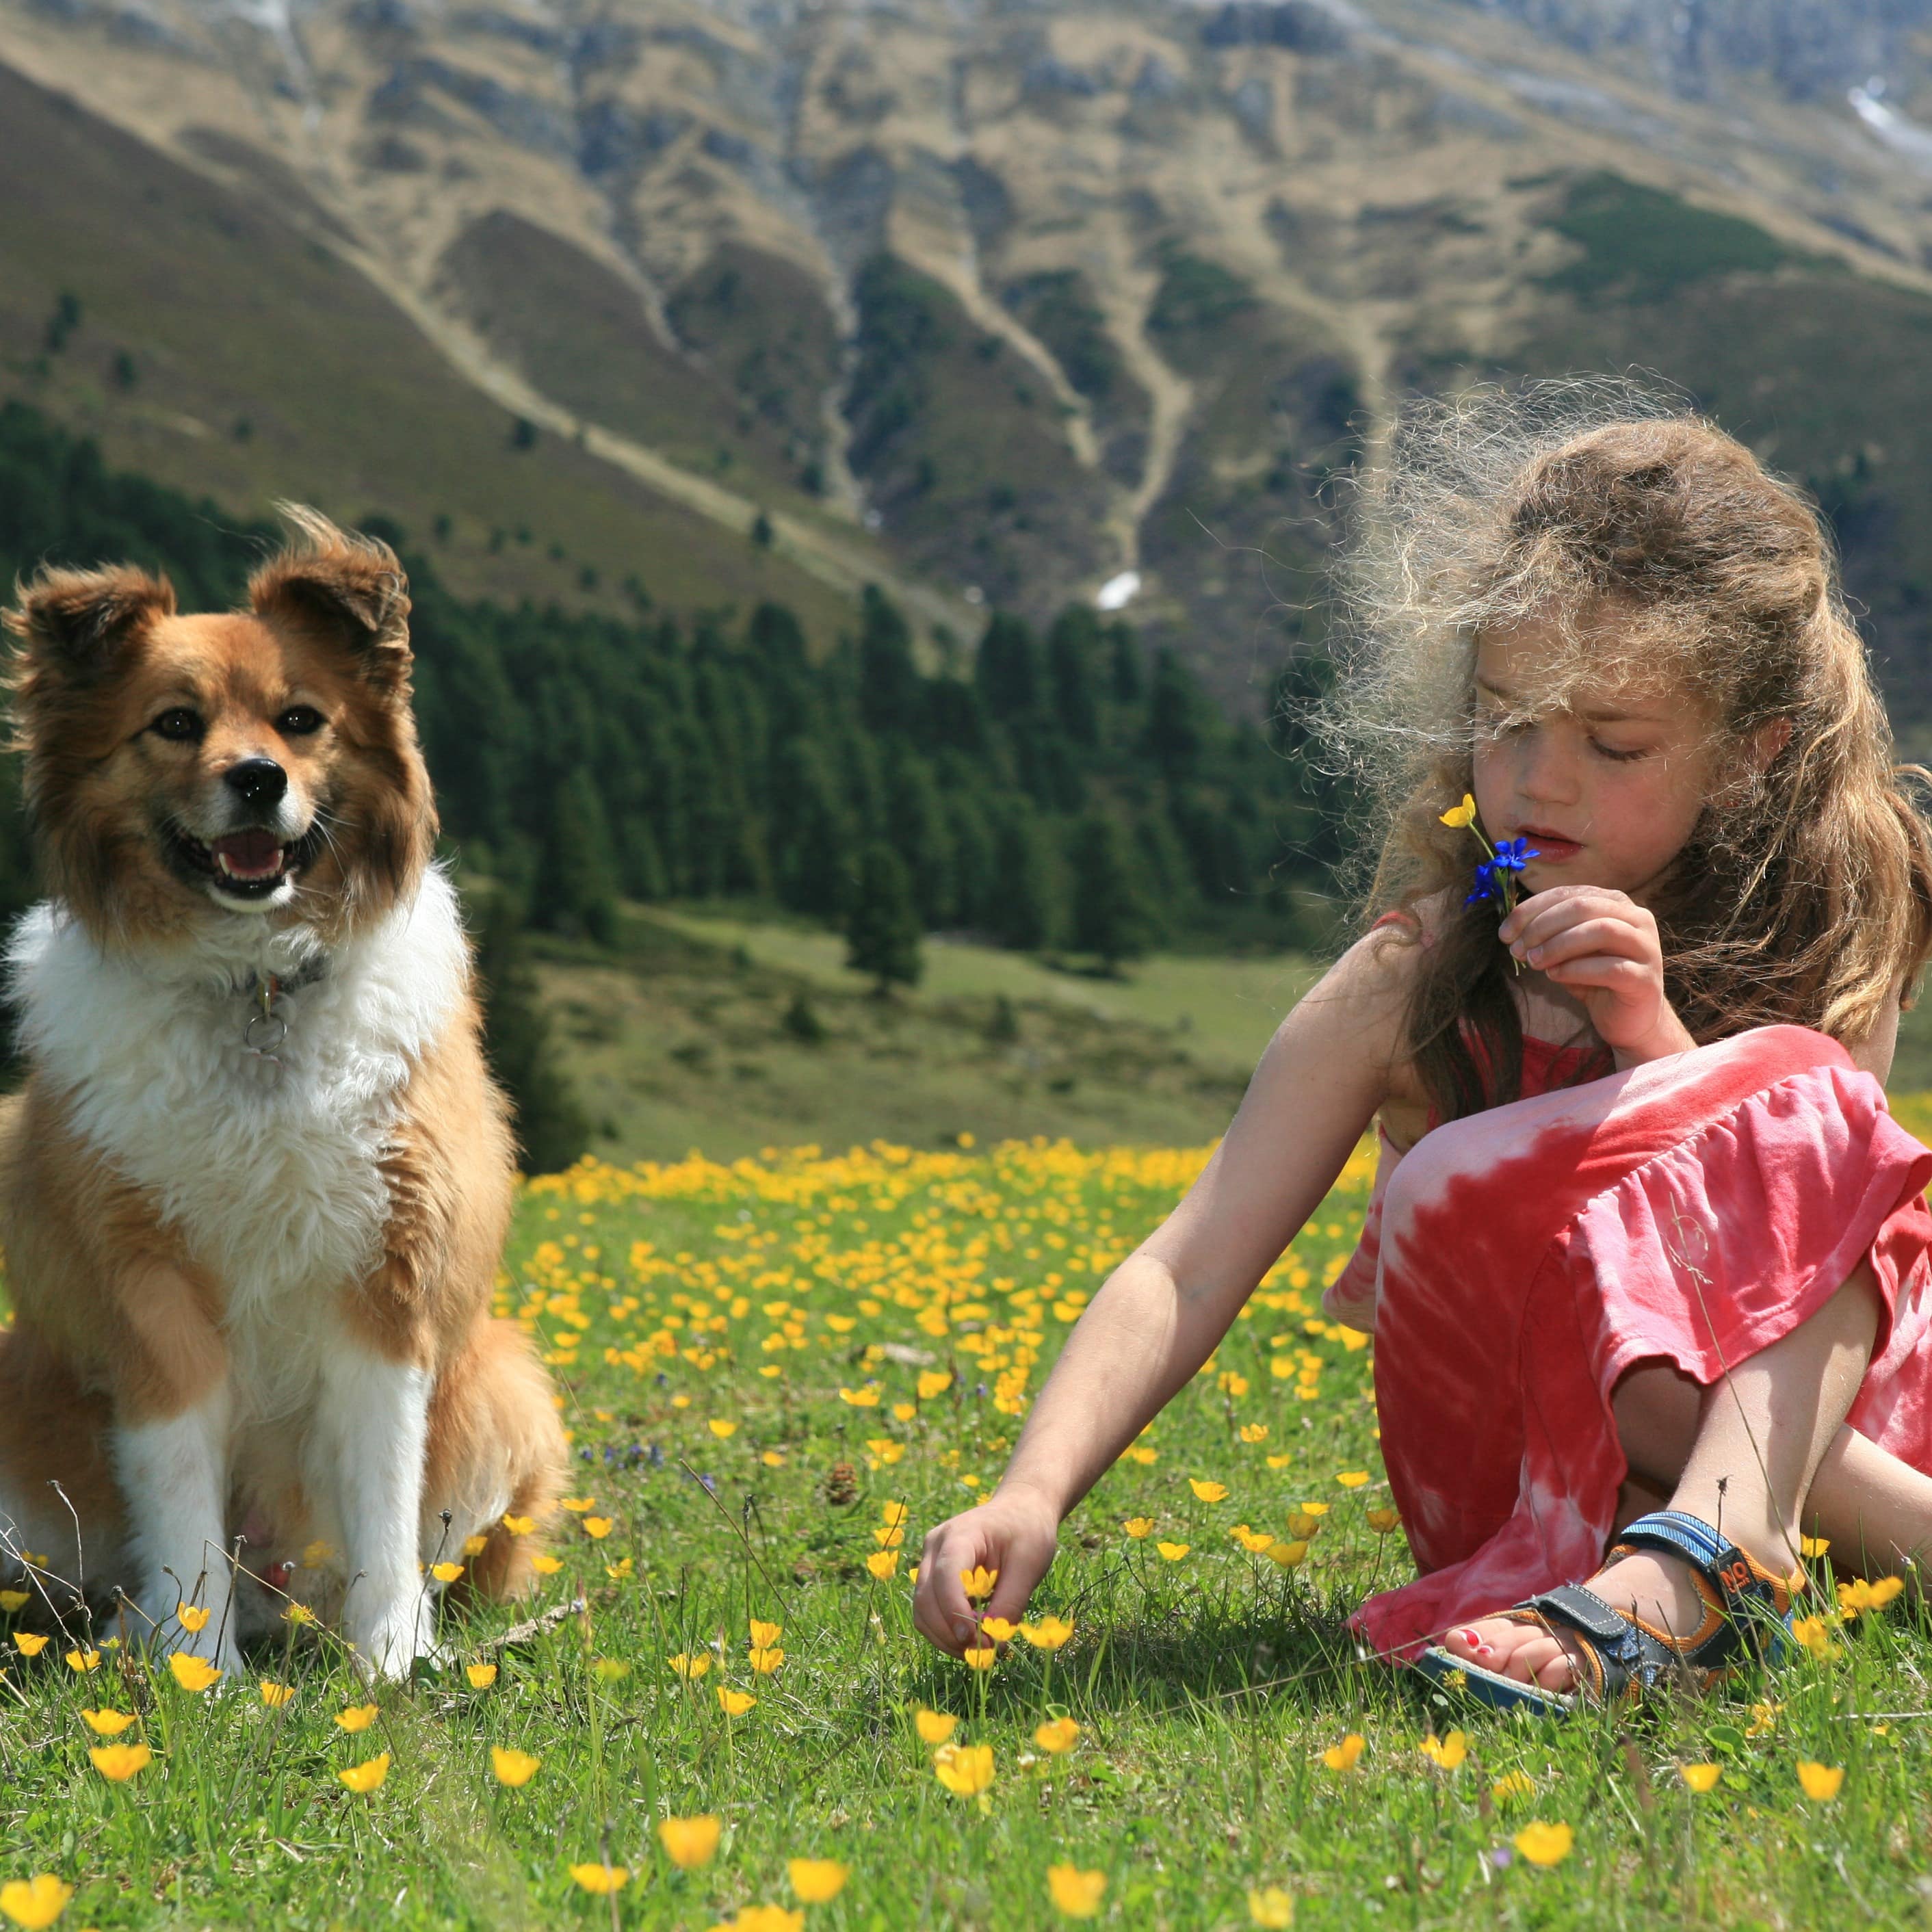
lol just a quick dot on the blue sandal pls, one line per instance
(1746, 1614)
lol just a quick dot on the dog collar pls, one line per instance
(266, 1028)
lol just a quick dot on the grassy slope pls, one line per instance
(230, 316)
(684, 1044)
(959, 440)
(580, 334)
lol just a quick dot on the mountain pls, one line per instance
(989, 302)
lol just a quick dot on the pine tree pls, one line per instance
(1025, 913)
(891, 693)
(551, 1128)
(1177, 723)
(1071, 646)
(1006, 671)
(1110, 915)
(576, 884)
(883, 931)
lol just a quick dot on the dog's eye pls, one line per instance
(178, 723)
(298, 720)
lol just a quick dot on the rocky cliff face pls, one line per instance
(1015, 299)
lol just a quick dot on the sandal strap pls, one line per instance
(1741, 1582)
(1618, 1653)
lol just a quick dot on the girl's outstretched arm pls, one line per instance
(1161, 1312)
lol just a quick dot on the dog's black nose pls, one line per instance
(259, 780)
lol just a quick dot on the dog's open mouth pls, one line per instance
(250, 864)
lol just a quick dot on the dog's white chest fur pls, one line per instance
(272, 1172)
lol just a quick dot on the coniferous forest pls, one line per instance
(1054, 791)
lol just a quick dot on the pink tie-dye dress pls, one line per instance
(1516, 1263)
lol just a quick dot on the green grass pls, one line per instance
(1206, 1691)
(1223, 1009)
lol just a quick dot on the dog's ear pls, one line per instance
(350, 587)
(71, 623)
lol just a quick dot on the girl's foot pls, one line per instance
(1658, 1587)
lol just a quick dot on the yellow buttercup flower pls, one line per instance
(689, 1667)
(480, 1676)
(1287, 1556)
(1057, 1735)
(999, 1629)
(83, 1660)
(1273, 1908)
(734, 1703)
(193, 1673)
(519, 1525)
(1076, 1892)
(367, 1776)
(964, 1769)
(765, 1661)
(445, 1573)
(275, 1695)
(1208, 1492)
(598, 1526)
(601, 1879)
(1460, 816)
(1544, 1844)
(1049, 1633)
(817, 1881)
(1700, 1778)
(191, 1616)
(764, 1635)
(513, 1768)
(934, 1727)
(107, 1723)
(1517, 1784)
(35, 1902)
(119, 1763)
(689, 1843)
(11, 1600)
(1138, 1526)
(884, 1564)
(1448, 1752)
(722, 1428)
(978, 1582)
(576, 1505)
(1814, 1546)
(1819, 1782)
(1382, 1521)
(29, 1645)
(934, 1382)
(1351, 1479)
(357, 1718)
(475, 1545)
(982, 1657)
(1344, 1755)
(1173, 1552)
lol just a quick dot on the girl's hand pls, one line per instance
(1010, 1534)
(1600, 945)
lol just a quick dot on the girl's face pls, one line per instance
(1606, 790)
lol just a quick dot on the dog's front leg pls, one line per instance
(373, 1430)
(172, 1472)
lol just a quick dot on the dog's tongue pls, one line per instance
(250, 855)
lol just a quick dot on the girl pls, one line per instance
(1661, 1240)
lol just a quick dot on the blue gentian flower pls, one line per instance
(1511, 853)
(1487, 885)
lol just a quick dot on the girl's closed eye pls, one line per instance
(1622, 754)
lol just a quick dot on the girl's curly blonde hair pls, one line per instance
(1651, 546)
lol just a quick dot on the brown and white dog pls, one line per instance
(253, 1199)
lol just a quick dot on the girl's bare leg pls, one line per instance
(1757, 1440)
